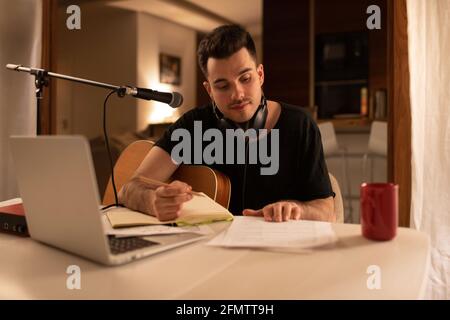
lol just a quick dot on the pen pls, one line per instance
(155, 184)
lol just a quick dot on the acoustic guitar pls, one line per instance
(202, 178)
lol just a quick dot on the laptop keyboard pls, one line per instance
(122, 245)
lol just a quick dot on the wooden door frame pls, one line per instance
(399, 115)
(48, 105)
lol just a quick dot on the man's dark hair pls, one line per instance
(223, 42)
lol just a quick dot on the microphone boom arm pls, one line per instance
(45, 74)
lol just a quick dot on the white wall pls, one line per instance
(120, 47)
(20, 43)
(155, 35)
(103, 50)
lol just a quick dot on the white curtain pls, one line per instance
(429, 63)
(20, 43)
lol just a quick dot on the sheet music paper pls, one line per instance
(257, 233)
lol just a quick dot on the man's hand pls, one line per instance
(278, 211)
(169, 200)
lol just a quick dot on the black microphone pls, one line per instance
(174, 99)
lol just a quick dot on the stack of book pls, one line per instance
(12, 218)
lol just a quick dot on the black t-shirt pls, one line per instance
(302, 173)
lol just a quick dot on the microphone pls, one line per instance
(174, 99)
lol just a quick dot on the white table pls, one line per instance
(31, 270)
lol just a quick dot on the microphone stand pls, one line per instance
(42, 80)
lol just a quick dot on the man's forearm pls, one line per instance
(320, 209)
(136, 196)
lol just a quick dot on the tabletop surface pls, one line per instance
(32, 270)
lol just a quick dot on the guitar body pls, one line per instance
(213, 183)
(202, 178)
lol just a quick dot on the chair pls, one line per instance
(338, 202)
(332, 149)
(377, 146)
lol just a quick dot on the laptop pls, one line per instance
(59, 190)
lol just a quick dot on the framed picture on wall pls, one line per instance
(169, 69)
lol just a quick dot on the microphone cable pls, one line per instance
(105, 135)
(244, 176)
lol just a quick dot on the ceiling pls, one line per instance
(201, 15)
(245, 12)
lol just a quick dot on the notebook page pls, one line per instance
(200, 209)
(202, 205)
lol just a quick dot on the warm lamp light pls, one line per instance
(160, 112)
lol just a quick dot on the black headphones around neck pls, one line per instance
(258, 121)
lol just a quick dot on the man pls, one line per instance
(300, 189)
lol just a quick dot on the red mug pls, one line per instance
(379, 210)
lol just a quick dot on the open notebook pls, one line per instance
(198, 210)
